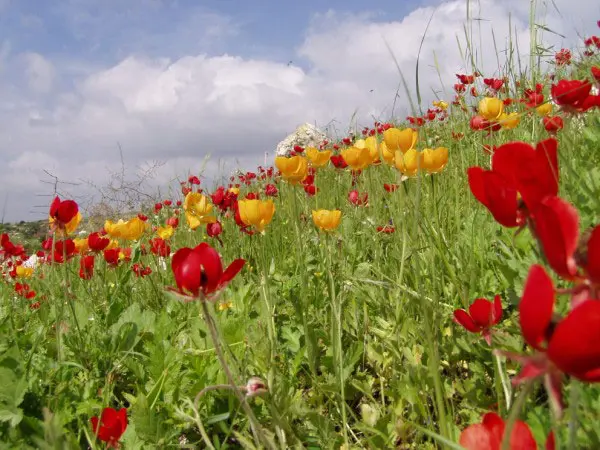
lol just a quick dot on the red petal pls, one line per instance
(54, 206)
(536, 306)
(462, 318)
(210, 261)
(186, 269)
(478, 437)
(495, 425)
(232, 270)
(497, 312)
(521, 437)
(551, 441)
(66, 211)
(593, 255)
(556, 224)
(481, 312)
(510, 157)
(538, 178)
(574, 345)
(495, 193)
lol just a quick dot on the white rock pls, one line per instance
(306, 135)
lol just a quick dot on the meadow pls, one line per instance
(427, 282)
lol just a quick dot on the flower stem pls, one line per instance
(257, 432)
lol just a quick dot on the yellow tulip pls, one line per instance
(440, 104)
(544, 109)
(434, 160)
(357, 158)
(294, 169)
(491, 108)
(388, 155)
(234, 190)
(198, 210)
(130, 230)
(327, 220)
(403, 140)
(373, 146)
(317, 158)
(165, 232)
(81, 245)
(509, 121)
(112, 244)
(24, 272)
(409, 162)
(256, 213)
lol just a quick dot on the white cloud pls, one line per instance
(179, 110)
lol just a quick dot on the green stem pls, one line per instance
(514, 414)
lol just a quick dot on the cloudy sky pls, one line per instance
(172, 81)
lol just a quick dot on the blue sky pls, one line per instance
(106, 31)
(172, 82)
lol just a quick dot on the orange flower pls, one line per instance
(294, 169)
(403, 140)
(317, 158)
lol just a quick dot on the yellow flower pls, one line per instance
(24, 272)
(256, 213)
(294, 169)
(357, 158)
(509, 121)
(544, 109)
(440, 104)
(327, 220)
(165, 232)
(388, 155)
(234, 190)
(491, 108)
(81, 245)
(317, 158)
(403, 140)
(409, 162)
(130, 230)
(198, 210)
(112, 244)
(435, 160)
(370, 144)
(223, 306)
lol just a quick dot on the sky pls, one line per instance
(176, 87)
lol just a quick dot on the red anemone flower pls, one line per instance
(86, 267)
(111, 426)
(482, 316)
(199, 272)
(571, 93)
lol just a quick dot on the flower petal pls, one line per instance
(574, 345)
(462, 318)
(556, 224)
(536, 306)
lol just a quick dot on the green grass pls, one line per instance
(352, 331)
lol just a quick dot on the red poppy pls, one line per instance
(571, 93)
(482, 316)
(172, 221)
(214, 229)
(199, 272)
(488, 435)
(358, 199)
(390, 187)
(339, 162)
(493, 83)
(111, 426)
(63, 211)
(271, 190)
(86, 267)
(596, 73)
(160, 247)
(387, 229)
(193, 179)
(97, 243)
(552, 124)
(517, 169)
